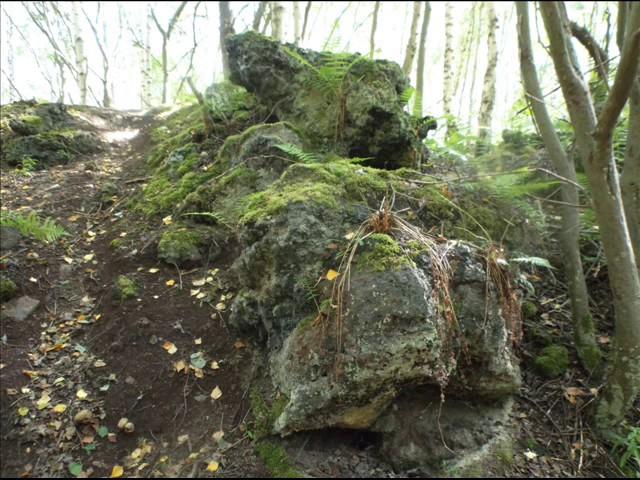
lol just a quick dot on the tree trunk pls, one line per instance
(10, 64)
(489, 87)
(226, 29)
(257, 18)
(594, 144)
(630, 178)
(412, 43)
(296, 22)
(448, 66)
(81, 59)
(474, 70)
(374, 26)
(465, 56)
(583, 325)
(417, 106)
(307, 9)
(166, 36)
(276, 20)
(146, 62)
(207, 119)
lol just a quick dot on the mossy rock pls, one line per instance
(182, 245)
(126, 288)
(381, 252)
(276, 460)
(8, 289)
(553, 361)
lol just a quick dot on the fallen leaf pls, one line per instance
(170, 347)
(60, 408)
(217, 436)
(216, 393)
(529, 455)
(198, 341)
(199, 282)
(117, 471)
(213, 467)
(69, 260)
(81, 394)
(75, 469)
(170, 283)
(193, 293)
(180, 365)
(43, 401)
(99, 364)
(215, 365)
(239, 344)
(88, 257)
(154, 270)
(23, 411)
(332, 275)
(168, 220)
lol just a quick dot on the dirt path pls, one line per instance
(85, 350)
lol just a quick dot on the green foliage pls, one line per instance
(553, 361)
(263, 414)
(28, 165)
(628, 451)
(381, 253)
(7, 289)
(31, 226)
(298, 154)
(276, 460)
(533, 261)
(126, 288)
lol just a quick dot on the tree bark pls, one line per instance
(410, 52)
(630, 178)
(583, 324)
(307, 9)
(106, 99)
(417, 106)
(488, 100)
(207, 119)
(81, 58)
(448, 66)
(226, 29)
(296, 22)
(257, 18)
(11, 75)
(594, 144)
(276, 20)
(374, 26)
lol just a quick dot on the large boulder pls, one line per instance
(344, 103)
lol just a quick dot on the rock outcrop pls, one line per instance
(343, 103)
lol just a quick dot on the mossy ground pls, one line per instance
(381, 253)
(8, 289)
(126, 288)
(553, 361)
(180, 244)
(276, 460)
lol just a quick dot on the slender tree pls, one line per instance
(417, 106)
(583, 325)
(448, 68)
(166, 36)
(488, 100)
(81, 58)
(594, 143)
(226, 29)
(106, 99)
(257, 18)
(410, 52)
(374, 26)
(276, 20)
(296, 22)
(307, 9)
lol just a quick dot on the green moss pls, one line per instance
(126, 287)
(264, 415)
(33, 120)
(116, 243)
(382, 253)
(180, 245)
(529, 310)
(276, 460)
(7, 289)
(552, 361)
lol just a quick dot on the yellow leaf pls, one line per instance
(180, 365)
(73, 218)
(23, 411)
(154, 270)
(170, 283)
(193, 293)
(170, 347)
(216, 393)
(88, 257)
(167, 220)
(43, 402)
(215, 365)
(81, 394)
(198, 341)
(332, 275)
(60, 408)
(198, 283)
(117, 471)
(69, 260)
(213, 467)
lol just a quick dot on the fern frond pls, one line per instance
(406, 95)
(534, 261)
(31, 226)
(298, 154)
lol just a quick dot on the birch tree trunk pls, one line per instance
(417, 106)
(276, 21)
(146, 61)
(448, 69)
(81, 59)
(474, 70)
(488, 100)
(307, 9)
(374, 26)
(226, 29)
(296, 22)
(594, 141)
(583, 324)
(410, 52)
(11, 73)
(257, 18)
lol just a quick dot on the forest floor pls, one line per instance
(100, 359)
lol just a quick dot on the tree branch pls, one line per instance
(597, 53)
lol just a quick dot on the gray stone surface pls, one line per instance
(20, 308)
(9, 238)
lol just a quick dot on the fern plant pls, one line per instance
(297, 153)
(31, 226)
(628, 449)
